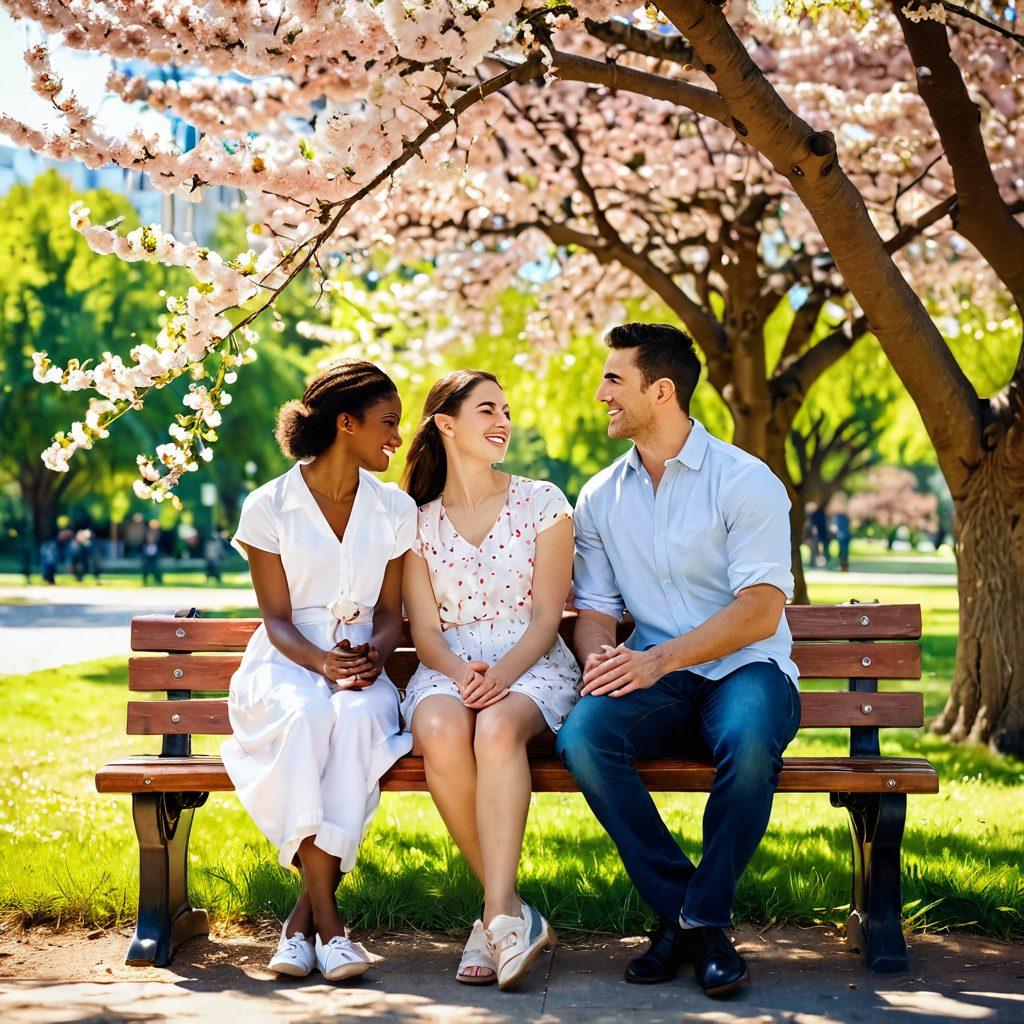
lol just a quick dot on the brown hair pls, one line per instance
(662, 351)
(307, 428)
(427, 464)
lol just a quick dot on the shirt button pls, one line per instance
(667, 581)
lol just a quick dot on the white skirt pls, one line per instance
(305, 761)
(551, 682)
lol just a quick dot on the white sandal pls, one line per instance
(477, 954)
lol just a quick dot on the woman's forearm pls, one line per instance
(288, 639)
(535, 642)
(387, 633)
(433, 651)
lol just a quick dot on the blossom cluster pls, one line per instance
(194, 328)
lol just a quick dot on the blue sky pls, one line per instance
(87, 73)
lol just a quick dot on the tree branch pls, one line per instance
(649, 44)
(572, 68)
(919, 354)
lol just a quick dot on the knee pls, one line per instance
(354, 715)
(586, 738)
(311, 711)
(748, 759)
(497, 736)
(440, 735)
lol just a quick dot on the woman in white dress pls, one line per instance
(485, 585)
(315, 719)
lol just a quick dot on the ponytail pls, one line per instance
(426, 466)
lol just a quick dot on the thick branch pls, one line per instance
(571, 68)
(981, 216)
(913, 344)
(649, 44)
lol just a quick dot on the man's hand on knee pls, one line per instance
(617, 671)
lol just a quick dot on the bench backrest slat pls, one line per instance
(819, 711)
(211, 673)
(807, 622)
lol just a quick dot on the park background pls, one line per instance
(68, 855)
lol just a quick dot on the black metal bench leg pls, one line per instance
(876, 830)
(163, 822)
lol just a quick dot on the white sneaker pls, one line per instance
(295, 956)
(341, 958)
(517, 942)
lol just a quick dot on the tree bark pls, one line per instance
(986, 700)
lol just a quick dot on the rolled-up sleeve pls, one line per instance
(593, 577)
(758, 532)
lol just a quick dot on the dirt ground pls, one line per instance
(804, 976)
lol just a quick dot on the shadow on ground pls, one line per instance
(809, 976)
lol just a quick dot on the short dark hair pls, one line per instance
(663, 351)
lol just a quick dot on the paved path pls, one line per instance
(52, 626)
(806, 976)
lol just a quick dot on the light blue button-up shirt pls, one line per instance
(717, 523)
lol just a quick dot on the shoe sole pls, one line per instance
(346, 971)
(549, 940)
(291, 970)
(653, 981)
(471, 979)
(724, 990)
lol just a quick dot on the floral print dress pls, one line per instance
(485, 597)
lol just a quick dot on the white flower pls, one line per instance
(344, 609)
(142, 489)
(44, 371)
(79, 213)
(147, 470)
(57, 457)
(76, 380)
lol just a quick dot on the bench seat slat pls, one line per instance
(807, 622)
(819, 710)
(203, 773)
(212, 672)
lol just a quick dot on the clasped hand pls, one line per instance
(480, 685)
(616, 671)
(351, 668)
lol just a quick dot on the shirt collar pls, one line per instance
(298, 495)
(692, 453)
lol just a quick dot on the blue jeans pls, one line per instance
(742, 723)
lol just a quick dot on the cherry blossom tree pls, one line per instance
(891, 499)
(832, 164)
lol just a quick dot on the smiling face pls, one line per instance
(482, 427)
(631, 407)
(373, 439)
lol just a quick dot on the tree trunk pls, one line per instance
(758, 433)
(986, 700)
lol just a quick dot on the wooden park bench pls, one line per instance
(855, 643)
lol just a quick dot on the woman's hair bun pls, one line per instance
(307, 428)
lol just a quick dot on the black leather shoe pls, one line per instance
(719, 968)
(662, 960)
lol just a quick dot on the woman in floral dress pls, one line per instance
(485, 584)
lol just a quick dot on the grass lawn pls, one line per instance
(68, 854)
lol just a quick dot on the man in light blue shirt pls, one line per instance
(690, 535)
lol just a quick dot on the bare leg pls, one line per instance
(322, 873)
(442, 730)
(301, 917)
(503, 796)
